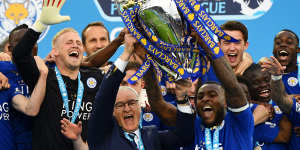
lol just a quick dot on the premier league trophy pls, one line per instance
(163, 27)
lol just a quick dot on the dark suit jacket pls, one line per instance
(104, 133)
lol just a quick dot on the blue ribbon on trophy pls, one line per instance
(143, 69)
(176, 67)
(156, 67)
(196, 23)
(140, 73)
(208, 21)
(161, 31)
(146, 65)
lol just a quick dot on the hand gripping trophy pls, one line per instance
(165, 29)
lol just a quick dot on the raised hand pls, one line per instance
(129, 42)
(41, 65)
(4, 82)
(50, 14)
(70, 130)
(129, 46)
(170, 86)
(262, 113)
(4, 57)
(50, 57)
(272, 66)
(139, 54)
(121, 36)
(182, 88)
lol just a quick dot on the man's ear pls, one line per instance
(10, 48)
(246, 45)
(114, 114)
(54, 51)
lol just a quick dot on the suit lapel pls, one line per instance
(146, 139)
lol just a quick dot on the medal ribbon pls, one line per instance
(212, 145)
(64, 94)
(140, 144)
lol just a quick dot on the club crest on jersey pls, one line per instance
(163, 90)
(297, 107)
(292, 81)
(17, 90)
(91, 82)
(17, 12)
(148, 117)
(277, 110)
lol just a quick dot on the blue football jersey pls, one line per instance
(236, 132)
(291, 82)
(294, 117)
(265, 133)
(21, 124)
(7, 141)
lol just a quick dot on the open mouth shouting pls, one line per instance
(130, 122)
(74, 54)
(207, 111)
(128, 117)
(283, 57)
(265, 93)
(232, 57)
(283, 53)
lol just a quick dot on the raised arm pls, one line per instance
(22, 56)
(278, 94)
(31, 106)
(101, 121)
(235, 97)
(166, 111)
(22, 52)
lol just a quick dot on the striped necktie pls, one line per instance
(132, 136)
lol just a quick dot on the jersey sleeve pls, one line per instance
(14, 90)
(242, 123)
(243, 119)
(265, 132)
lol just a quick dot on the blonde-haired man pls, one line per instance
(70, 91)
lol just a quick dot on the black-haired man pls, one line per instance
(286, 103)
(275, 132)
